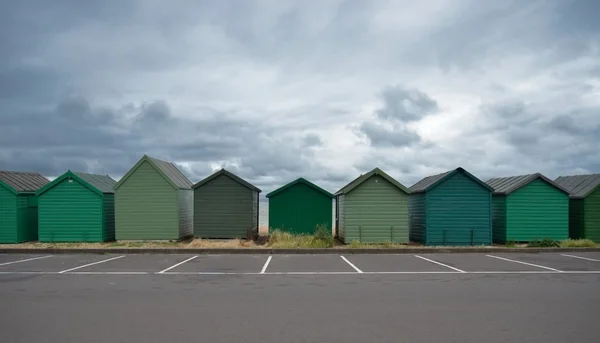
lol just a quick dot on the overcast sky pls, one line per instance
(326, 90)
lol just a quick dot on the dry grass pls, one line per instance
(578, 243)
(194, 243)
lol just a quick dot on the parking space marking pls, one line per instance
(177, 264)
(583, 258)
(441, 264)
(264, 268)
(25, 260)
(526, 263)
(90, 264)
(110, 273)
(351, 265)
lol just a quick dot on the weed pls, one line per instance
(321, 239)
(355, 244)
(510, 244)
(577, 243)
(544, 243)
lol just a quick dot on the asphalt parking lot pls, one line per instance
(549, 298)
(584, 262)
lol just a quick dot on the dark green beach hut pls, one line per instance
(529, 207)
(77, 207)
(18, 206)
(372, 209)
(452, 208)
(225, 206)
(299, 206)
(153, 201)
(584, 205)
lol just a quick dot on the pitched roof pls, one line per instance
(507, 185)
(579, 186)
(230, 175)
(103, 183)
(98, 184)
(166, 169)
(362, 178)
(432, 181)
(23, 181)
(299, 181)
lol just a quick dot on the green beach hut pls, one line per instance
(18, 206)
(77, 207)
(225, 206)
(584, 205)
(529, 207)
(153, 201)
(299, 207)
(452, 208)
(372, 209)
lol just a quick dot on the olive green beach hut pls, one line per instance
(299, 207)
(452, 208)
(372, 209)
(77, 207)
(529, 207)
(18, 206)
(225, 206)
(584, 205)
(153, 201)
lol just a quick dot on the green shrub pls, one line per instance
(577, 243)
(544, 243)
(510, 244)
(321, 239)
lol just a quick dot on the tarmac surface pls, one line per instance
(492, 298)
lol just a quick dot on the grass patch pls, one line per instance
(356, 244)
(577, 243)
(510, 244)
(321, 239)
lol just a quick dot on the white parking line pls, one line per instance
(521, 262)
(29, 259)
(264, 268)
(90, 264)
(351, 265)
(177, 264)
(583, 258)
(441, 264)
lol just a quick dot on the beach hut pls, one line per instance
(529, 207)
(299, 207)
(225, 206)
(584, 205)
(372, 209)
(18, 206)
(153, 201)
(77, 207)
(452, 208)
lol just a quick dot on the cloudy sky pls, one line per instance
(275, 90)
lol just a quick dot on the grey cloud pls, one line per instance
(312, 140)
(406, 105)
(381, 136)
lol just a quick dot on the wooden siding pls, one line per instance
(459, 213)
(70, 212)
(146, 207)
(499, 218)
(186, 212)
(108, 231)
(417, 217)
(537, 211)
(8, 216)
(591, 216)
(376, 211)
(223, 209)
(341, 215)
(299, 209)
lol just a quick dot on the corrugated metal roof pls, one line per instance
(23, 181)
(230, 175)
(362, 178)
(171, 171)
(579, 186)
(427, 182)
(103, 183)
(507, 185)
